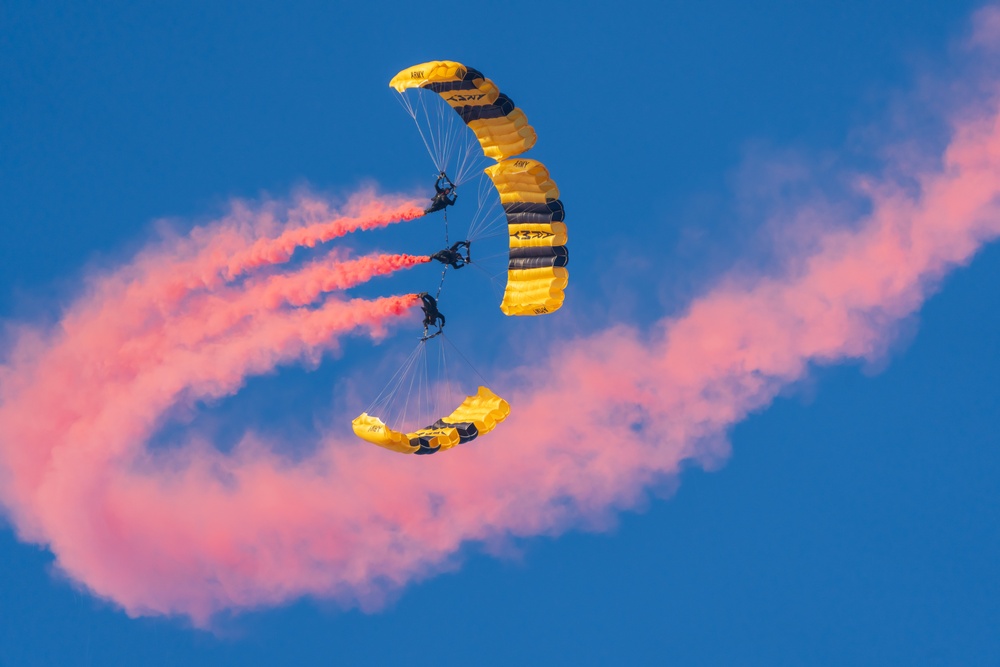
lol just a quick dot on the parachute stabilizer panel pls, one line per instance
(501, 128)
(476, 415)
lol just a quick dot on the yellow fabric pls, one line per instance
(435, 71)
(511, 124)
(523, 180)
(534, 291)
(484, 409)
(485, 92)
(500, 138)
(505, 137)
(376, 432)
(445, 438)
(540, 290)
(537, 234)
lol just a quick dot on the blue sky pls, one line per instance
(855, 522)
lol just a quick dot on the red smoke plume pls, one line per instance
(248, 239)
(324, 227)
(193, 530)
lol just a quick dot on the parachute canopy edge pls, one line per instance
(433, 71)
(500, 126)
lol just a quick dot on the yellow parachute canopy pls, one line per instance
(501, 127)
(536, 270)
(477, 415)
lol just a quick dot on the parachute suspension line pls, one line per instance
(387, 402)
(450, 129)
(444, 134)
(488, 213)
(392, 385)
(431, 397)
(494, 280)
(489, 227)
(495, 255)
(446, 378)
(469, 160)
(440, 128)
(412, 109)
(423, 390)
(412, 398)
(412, 401)
(443, 125)
(476, 218)
(444, 394)
(422, 356)
(439, 139)
(459, 143)
(492, 235)
(449, 136)
(493, 225)
(466, 360)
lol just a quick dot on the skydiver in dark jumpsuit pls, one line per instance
(445, 194)
(432, 316)
(452, 257)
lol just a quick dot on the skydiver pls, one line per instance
(431, 314)
(452, 257)
(445, 194)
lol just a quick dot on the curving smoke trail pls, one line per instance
(193, 530)
(148, 336)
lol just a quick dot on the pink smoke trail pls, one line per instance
(192, 531)
(324, 276)
(249, 238)
(121, 359)
(231, 308)
(273, 251)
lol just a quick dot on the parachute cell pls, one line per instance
(536, 273)
(476, 415)
(501, 128)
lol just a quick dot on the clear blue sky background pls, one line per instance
(856, 522)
